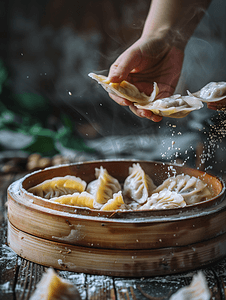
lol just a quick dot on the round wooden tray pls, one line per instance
(122, 243)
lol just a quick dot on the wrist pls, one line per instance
(166, 36)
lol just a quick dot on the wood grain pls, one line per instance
(112, 262)
(138, 243)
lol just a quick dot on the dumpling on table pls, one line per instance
(103, 187)
(58, 186)
(192, 189)
(164, 200)
(138, 186)
(197, 290)
(53, 287)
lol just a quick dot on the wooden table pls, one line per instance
(18, 277)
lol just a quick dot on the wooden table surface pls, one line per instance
(18, 277)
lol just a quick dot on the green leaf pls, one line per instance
(3, 75)
(43, 145)
(68, 140)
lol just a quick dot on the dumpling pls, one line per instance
(115, 203)
(197, 290)
(103, 187)
(176, 106)
(138, 186)
(53, 287)
(212, 92)
(58, 186)
(83, 199)
(192, 189)
(164, 200)
(125, 89)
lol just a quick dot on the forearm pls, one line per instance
(174, 20)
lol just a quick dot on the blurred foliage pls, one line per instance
(3, 75)
(30, 114)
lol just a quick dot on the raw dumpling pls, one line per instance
(138, 186)
(176, 106)
(53, 287)
(114, 203)
(103, 187)
(125, 89)
(197, 290)
(58, 186)
(164, 200)
(192, 189)
(84, 199)
(212, 92)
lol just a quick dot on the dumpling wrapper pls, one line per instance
(193, 189)
(197, 290)
(125, 89)
(212, 92)
(138, 185)
(58, 186)
(103, 187)
(164, 200)
(83, 199)
(115, 203)
(176, 106)
(53, 287)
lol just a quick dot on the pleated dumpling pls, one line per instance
(164, 200)
(103, 187)
(83, 199)
(212, 92)
(197, 290)
(192, 189)
(58, 186)
(115, 203)
(138, 186)
(176, 106)
(53, 287)
(125, 89)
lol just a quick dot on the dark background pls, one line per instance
(49, 47)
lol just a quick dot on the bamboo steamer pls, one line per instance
(117, 243)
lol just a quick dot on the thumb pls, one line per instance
(124, 64)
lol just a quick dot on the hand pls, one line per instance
(142, 64)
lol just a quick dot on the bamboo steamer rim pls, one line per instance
(121, 243)
(190, 211)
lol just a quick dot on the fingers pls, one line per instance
(126, 62)
(143, 113)
(117, 73)
(120, 100)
